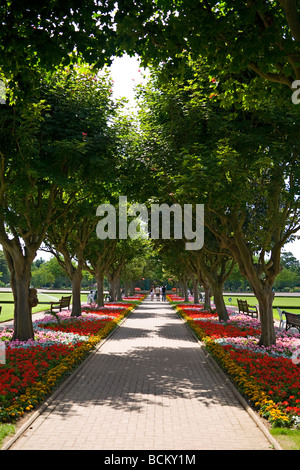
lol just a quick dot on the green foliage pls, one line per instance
(38, 37)
(57, 144)
(260, 36)
(4, 276)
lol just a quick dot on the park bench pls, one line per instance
(247, 309)
(282, 322)
(64, 302)
(292, 320)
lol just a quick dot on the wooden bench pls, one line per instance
(247, 309)
(64, 302)
(292, 320)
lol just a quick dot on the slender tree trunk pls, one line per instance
(20, 277)
(113, 289)
(185, 291)
(196, 293)
(76, 292)
(23, 328)
(126, 288)
(100, 297)
(207, 293)
(118, 289)
(219, 302)
(132, 288)
(265, 300)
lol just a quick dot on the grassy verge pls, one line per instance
(5, 431)
(280, 300)
(8, 309)
(289, 439)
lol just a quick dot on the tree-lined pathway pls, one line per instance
(149, 386)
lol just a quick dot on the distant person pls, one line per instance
(152, 293)
(163, 293)
(157, 291)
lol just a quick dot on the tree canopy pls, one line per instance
(263, 36)
(243, 165)
(217, 126)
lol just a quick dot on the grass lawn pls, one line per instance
(289, 439)
(5, 431)
(7, 312)
(282, 301)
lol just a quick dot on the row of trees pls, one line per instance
(240, 161)
(216, 126)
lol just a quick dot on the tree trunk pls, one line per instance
(23, 328)
(20, 277)
(100, 297)
(113, 289)
(185, 290)
(219, 302)
(76, 292)
(132, 288)
(207, 293)
(118, 289)
(126, 288)
(265, 301)
(196, 294)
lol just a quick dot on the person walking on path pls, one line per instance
(163, 293)
(149, 386)
(157, 292)
(152, 293)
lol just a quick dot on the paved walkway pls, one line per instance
(149, 386)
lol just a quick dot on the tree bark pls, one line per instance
(112, 289)
(265, 301)
(219, 302)
(118, 289)
(207, 294)
(20, 277)
(100, 296)
(185, 290)
(132, 287)
(196, 293)
(126, 288)
(76, 292)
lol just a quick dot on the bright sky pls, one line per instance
(126, 74)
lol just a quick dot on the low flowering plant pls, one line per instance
(34, 368)
(266, 376)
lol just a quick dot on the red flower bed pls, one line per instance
(78, 326)
(25, 365)
(194, 314)
(278, 376)
(220, 330)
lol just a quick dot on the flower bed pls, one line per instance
(267, 377)
(34, 368)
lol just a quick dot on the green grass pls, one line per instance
(289, 439)
(5, 431)
(279, 301)
(7, 312)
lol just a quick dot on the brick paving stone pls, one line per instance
(149, 386)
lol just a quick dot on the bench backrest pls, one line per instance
(243, 305)
(65, 300)
(292, 318)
